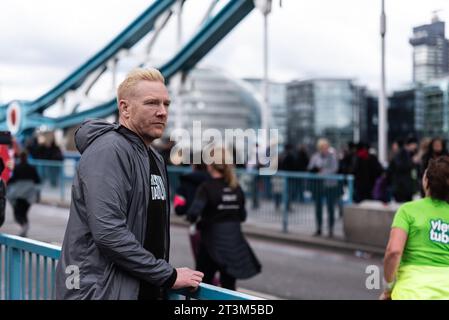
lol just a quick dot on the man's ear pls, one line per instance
(124, 108)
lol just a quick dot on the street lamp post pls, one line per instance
(382, 119)
(265, 7)
(179, 81)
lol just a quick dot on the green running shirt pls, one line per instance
(426, 222)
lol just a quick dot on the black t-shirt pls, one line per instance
(156, 225)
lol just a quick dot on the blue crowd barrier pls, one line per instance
(28, 269)
(286, 198)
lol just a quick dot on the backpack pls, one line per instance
(380, 191)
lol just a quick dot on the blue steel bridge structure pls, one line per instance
(23, 117)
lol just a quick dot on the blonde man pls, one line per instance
(116, 245)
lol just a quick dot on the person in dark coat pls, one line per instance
(288, 162)
(185, 194)
(302, 159)
(400, 175)
(2, 195)
(189, 183)
(220, 204)
(54, 172)
(366, 171)
(437, 148)
(117, 242)
(22, 191)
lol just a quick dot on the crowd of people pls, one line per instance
(398, 181)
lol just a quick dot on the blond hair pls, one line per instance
(136, 75)
(224, 166)
(322, 142)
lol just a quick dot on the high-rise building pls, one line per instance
(331, 108)
(404, 115)
(277, 103)
(435, 100)
(430, 51)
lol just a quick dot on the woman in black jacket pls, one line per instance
(220, 203)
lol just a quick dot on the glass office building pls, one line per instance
(277, 103)
(435, 96)
(331, 108)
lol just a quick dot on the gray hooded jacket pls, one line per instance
(108, 218)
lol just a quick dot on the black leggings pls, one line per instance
(21, 211)
(209, 267)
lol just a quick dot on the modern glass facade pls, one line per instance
(277, 103)
(402, 118)
(435, 97)
(331, 108)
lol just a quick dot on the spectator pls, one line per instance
(184, 196)
(436, 149)
(288, 162)
(2, 195)
(302, 159)
(220, 203)
(22, 191)
(400, 175)
(366, 171)
(324, 162)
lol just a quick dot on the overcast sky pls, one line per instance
(42, 41)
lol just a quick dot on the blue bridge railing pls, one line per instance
(28, 267)
(287, 199)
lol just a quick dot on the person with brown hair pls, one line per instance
(220, 203)
(416, 263)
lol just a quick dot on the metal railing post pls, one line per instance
(62, 182)
(14, 273)
(350, 188)
(285, 205)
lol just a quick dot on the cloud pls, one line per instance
(47, 39)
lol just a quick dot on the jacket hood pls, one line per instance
(91, 130)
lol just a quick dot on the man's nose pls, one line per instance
(162, 111)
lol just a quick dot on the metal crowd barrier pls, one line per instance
(27, 272)
(288, 199)
(27, 269)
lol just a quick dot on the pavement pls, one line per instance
(265, 222)
(272, 231)
(291, 269)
